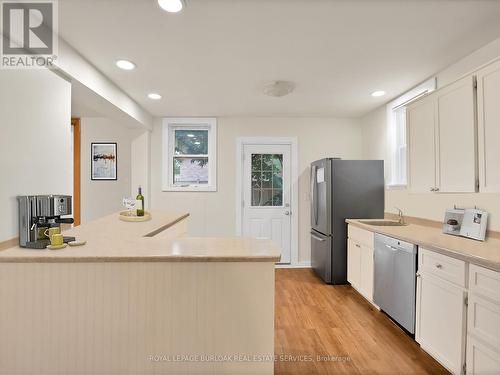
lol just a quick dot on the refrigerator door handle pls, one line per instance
(313, 194)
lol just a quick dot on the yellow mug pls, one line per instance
(49, 232)
(56, 239)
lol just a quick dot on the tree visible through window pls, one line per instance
(190, 160)
(190, 157)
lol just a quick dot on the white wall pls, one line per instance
(140, 171)
(100, 198)
(431, 206)
(75, 66)
(35, 140)
(214, 214)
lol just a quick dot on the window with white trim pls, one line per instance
(189, 154)
(397, 129)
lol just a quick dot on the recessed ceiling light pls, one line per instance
(154, 96)
(171, 6)
(190, 135)
(378, 93)
(197, 143)
(125, 64)
(279, 88)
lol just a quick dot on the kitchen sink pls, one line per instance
(383, 223)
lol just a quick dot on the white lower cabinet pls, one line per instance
(482, 359)
(483, 322)
(354, 263)
(366, 274)
(360, 249)
(441, 319)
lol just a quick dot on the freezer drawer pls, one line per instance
(321, 255)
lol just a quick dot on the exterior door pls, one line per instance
(267, 194)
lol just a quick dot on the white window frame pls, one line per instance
(394, 163)
(170, 124)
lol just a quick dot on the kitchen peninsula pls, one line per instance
(139, 298)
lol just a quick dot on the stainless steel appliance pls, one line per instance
(341, 189)
(395, 279)
(39, 212)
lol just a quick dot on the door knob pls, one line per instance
(287, 212)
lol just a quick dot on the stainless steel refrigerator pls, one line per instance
(341, 189)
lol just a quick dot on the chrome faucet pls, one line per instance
(401, 216)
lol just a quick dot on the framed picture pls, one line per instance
(103, 159)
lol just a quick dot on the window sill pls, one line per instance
(190, 188)
(396, 187)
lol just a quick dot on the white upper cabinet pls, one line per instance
(488, 96)
(457, 137)
(442, 140)
(421, 136)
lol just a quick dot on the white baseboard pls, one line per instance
(296, 265)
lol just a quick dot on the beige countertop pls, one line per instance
(112, 240)
(486, 254)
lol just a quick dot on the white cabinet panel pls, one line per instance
(441, 320)
(456, 134)
(481, 358)
(366, 274)
(421, 138)
(442, 140)
(483, 320)
(484, 282)
(361, 236)
(488, 97)
(442, 266)
(353, 263)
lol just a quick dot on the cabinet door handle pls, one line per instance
(436, 189)
(439, 266)
(357, 245)
(432, 189)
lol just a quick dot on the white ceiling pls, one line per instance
(214, 57)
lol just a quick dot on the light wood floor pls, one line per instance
(313, 319)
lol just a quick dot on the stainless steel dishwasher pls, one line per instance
(395, 279)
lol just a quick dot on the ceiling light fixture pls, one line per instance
(378, 93)
(154, 96)
(190, 135)
(125, 64)
(279, 88)
(197, 143)
(171, 6)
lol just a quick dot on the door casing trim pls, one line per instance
(294, 186)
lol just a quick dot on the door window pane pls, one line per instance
(267, 180)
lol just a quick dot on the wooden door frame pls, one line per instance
(75, 123)
(294, 183)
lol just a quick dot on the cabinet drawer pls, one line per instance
(483, 320)
(481, 358)
(361, 236)
(484, 282)
(445, 267)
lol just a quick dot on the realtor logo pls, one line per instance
(29, 34)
